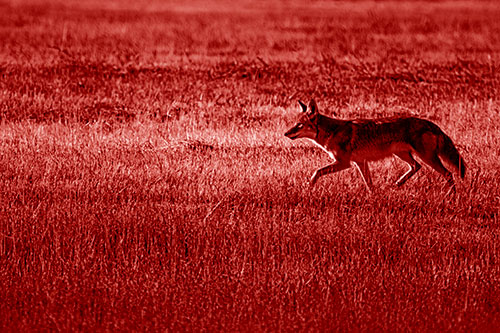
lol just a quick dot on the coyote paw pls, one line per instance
(452, 191)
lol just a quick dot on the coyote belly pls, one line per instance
(360, 141)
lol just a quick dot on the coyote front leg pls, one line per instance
(337, 166)
(364, 170)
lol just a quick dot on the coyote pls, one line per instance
(362, 140)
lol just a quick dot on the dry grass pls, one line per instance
(147, 184)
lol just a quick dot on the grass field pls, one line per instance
(147, 184)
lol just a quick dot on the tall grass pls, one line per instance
(147, 184)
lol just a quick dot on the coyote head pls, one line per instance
(307, 124)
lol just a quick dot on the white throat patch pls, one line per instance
(332, 156)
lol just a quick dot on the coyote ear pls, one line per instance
(304, 107)
(313, 107)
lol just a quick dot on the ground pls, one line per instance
(147, 184)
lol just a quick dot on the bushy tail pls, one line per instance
(449, 153)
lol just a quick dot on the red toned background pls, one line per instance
(146, 183)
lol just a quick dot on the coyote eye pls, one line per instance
(300, 125)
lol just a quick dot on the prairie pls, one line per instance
(147, 184)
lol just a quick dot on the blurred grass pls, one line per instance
(120, 60)
(147, 184)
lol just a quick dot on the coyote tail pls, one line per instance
(448, 152)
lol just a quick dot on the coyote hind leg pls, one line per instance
(434, 162)
(414, 167)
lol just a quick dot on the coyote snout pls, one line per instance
(362, 140)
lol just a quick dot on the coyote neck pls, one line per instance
(327, 127)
